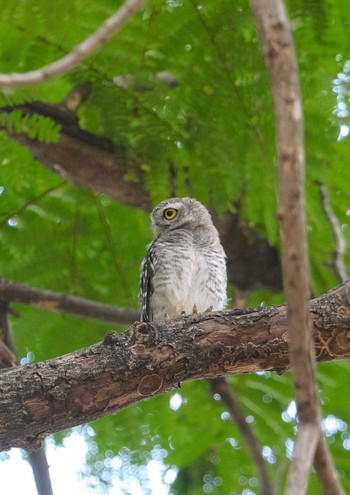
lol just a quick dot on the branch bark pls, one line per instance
(13, 292)
(78, 54)
(278, 45)
(149, 359)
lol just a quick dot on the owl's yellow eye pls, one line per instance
(169, 213)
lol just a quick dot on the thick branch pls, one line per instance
(274, 31)
(82, 158)
(13, 292)
(149, 359)
(78, 54)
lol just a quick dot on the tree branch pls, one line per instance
(13, 292)
(340, 243)
(78, 54)
(277, 41)
(228, 397)
(326, 473)
(40, 467)
(149, 359)
(87, 160)
(304, 452)
(8, 355)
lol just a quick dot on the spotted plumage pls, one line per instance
(185, 265)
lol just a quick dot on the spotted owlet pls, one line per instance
(185, 265)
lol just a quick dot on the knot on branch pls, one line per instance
(342, 311)
(144, 333)
(150, 385)
(112, 338)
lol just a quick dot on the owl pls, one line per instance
(184, 269)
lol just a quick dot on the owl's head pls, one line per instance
(179, 213)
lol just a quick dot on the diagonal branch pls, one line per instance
(150, 359)
(90, 161)
(228, 397)
(78, 54)
(277, 40)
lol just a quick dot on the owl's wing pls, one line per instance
(146, 285)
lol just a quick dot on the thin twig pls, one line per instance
(53, 301)
(277, 41)
(112, 247)
(31, 201)
(78, 54)
(8, 354)
(340, 243)
(220, 386)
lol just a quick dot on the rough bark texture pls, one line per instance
(149, 359)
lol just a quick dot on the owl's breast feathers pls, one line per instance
(179, 273)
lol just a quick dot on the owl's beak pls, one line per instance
(155, 231)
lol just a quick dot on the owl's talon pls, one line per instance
(195, 309)
(166, 317)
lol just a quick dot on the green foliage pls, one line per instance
(34, 126)
(183, 88)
